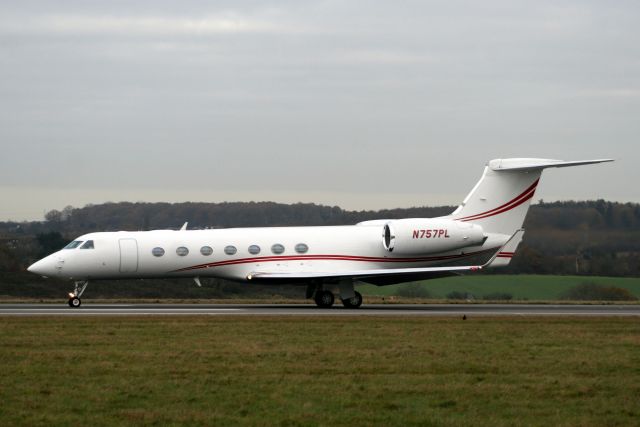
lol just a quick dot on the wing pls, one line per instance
(376, 273)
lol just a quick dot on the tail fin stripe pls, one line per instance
(518, 200)
(527, 197)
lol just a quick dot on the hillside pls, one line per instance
(579, 238)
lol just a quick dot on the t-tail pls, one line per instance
(500, 200)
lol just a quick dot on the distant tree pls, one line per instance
(498, 296)
(459, 295)
(592, 292)
(50, 242)
(8, 261)
(53, 216)
(413, 290)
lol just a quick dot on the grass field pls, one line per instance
(27, 287)
(310, 371)
(529, 287)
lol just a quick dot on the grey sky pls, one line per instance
(357, 104)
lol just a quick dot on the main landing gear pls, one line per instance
(74, 297)
(325, 299)
(353, 302)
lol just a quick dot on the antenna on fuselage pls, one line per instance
(184, 226)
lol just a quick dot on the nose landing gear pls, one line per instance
(74, 297)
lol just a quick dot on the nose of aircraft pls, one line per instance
(44, 267)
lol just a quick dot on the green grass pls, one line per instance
(25, 286)
(531, 287)
(319, 371)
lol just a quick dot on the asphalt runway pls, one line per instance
(412, 310)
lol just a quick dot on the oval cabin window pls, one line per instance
(277, 248)
(302, 248)
(182, 251)
(206, 250)
(157, 252)
(230, 250)
(254, 249)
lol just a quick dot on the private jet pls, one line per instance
(483, 232)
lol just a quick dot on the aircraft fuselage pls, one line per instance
(235, 253)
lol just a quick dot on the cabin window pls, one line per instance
(206, 250)
(182, 251)
(73, 244)
(254, 249)
(230, 250)
(157, 252)
(277, 248)
(302, 248)
(87, 245)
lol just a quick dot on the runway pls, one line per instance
(410, 310)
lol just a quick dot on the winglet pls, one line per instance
(184, 226)
(506, 252)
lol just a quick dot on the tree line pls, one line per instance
(586, 238)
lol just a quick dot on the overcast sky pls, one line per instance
(358, 104)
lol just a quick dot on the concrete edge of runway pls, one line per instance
(399, 310)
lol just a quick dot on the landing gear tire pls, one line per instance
(324, 299)
(74, 297)
(354, 302)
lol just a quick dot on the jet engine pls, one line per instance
(426, 236)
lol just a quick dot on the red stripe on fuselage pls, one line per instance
(327, 258)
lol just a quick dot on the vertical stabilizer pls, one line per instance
(500, 200)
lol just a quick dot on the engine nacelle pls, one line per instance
(426, 236)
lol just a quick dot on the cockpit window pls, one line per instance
(73, 244)
(87, 245)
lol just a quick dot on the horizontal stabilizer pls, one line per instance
(504, 255)
(534, 164)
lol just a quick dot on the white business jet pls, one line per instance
(484, 231)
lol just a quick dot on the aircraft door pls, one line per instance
(128, 255)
